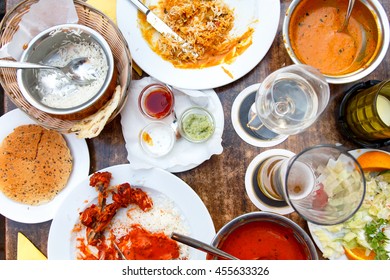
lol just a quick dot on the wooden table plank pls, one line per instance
(219, 181)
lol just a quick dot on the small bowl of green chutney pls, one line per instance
(196, 124)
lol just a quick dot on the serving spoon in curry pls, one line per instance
(78, 70)
(343, 28)
(194, 243)
(351, 3)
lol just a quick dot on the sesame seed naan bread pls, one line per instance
(35, 164)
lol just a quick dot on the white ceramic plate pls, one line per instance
(262, 15)
(24, 213)
(312, 227)
(195, 212)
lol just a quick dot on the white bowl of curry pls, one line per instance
(311, 36)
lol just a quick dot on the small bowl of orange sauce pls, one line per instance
(265, 236)
(156, 101)
(312, 36)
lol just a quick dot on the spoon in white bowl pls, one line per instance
(194, 243)
(175, 126)
(78, 70)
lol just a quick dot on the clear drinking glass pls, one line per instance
(289, 100)
(324, 184)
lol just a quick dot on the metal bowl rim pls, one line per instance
(45, 34)
(383, 21)
(261, 216)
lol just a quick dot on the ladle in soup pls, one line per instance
(194, 243)
(343, 28)
(351, 3)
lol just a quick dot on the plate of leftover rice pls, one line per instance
(224, 39)
(135, 209)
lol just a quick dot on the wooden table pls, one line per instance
(219, 181)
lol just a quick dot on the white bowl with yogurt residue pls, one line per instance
(157, 139)
(49, 90)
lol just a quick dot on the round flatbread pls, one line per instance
(92, 125)
(35, 164)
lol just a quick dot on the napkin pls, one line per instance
(27, 250)
(184, 155)
(40, 17)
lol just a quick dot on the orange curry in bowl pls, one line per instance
(264, 240)
(317, 41)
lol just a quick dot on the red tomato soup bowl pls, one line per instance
(265, 236)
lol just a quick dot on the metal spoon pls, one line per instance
(175, 126)
(78, 70)
(120, 253)
(351, 3)
(360, 54)
(201, 246)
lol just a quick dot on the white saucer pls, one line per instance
(240, 109)
(184, 155)
(255, 195)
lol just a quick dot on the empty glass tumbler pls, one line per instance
(324, 184)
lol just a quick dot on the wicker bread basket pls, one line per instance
(89, 17)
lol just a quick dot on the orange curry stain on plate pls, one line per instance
(205, 25)
(145, 245)
(315, 39)
(227, 72)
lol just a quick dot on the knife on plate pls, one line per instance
(156, 22)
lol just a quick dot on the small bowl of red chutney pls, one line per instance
(156, 101)
(264, 236)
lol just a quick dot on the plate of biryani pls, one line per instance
(225, 39)
(123, 213)
(366, 235)
(38, 168)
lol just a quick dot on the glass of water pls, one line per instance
(289, 100)
(324, 184)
